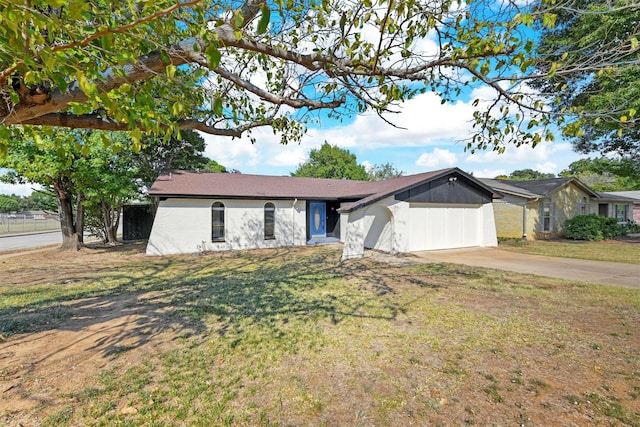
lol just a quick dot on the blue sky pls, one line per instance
(429, 139)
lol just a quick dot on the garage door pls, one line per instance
(445, 226)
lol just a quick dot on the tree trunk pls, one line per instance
(79, 226)
(71, 238)
(111, 220)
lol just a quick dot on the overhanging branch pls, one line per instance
(93, 121)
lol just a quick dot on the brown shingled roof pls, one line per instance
(209, 184)
(224, 185)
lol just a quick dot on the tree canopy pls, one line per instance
(330, 161)
(601, 103)
(382, 171)
(96, 172)
(604, 174)
(526, 175)
(8, 204)
(228, 67)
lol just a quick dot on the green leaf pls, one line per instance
(213, 55)
(136, 136)
(30, 77)
(217, 107)
(238, 19)
(86, 86)
(263, 23)
(171, 70)
(60, 81)
(56, 3)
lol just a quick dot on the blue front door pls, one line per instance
(317, 220)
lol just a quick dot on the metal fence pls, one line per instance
(15, 224)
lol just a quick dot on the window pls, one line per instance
(583, 207)
(217, 222)
(546, 215)
(269, 221)
(621, 213)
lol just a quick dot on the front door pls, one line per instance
(317, 220)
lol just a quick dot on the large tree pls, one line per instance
(157, 155)
(330, 161)
(129, 65)
(526, 175)
(54, 161)
(604, 174)
(96, 172)
(8, 204)
(382, 171)
(601, 105)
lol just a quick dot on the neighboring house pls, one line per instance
(217, 211)
(538, 209)
(633, 195)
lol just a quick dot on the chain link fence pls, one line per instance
(28, 223)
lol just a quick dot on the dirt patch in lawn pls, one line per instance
(294, 337)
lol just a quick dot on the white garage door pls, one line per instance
(445, 226)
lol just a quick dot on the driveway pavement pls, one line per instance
(607, 273)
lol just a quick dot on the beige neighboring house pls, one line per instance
(635, 196)
(217, 211)
(538, 209)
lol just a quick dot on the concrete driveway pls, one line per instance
(607, 273)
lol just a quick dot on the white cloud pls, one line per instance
(488, 173)
(437, 158)
(18, 189)
(421, 121)
(547, 167)
(525, 153)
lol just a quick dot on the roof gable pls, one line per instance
(536, 188)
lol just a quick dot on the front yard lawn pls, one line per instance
(294, 337)
(626, 250)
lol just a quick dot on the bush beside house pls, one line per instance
(593, 227)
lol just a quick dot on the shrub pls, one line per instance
(592, 227)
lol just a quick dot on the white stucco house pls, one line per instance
(216, 211)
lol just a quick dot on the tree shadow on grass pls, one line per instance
(134, 302)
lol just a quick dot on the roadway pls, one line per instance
(25, 241)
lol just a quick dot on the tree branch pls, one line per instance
(93, 121)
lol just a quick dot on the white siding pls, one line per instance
(184, 226)
(379, 229)
(415, 227)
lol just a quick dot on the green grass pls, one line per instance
(294, 337)
(612, 251)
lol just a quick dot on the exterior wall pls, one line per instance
(516, 217)
(353, 236)
(397, 226)
(509, 218)
(379, 225)
(489, 236)
(566, 203)
(511, 213)
(184, 226)
(636, 213)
